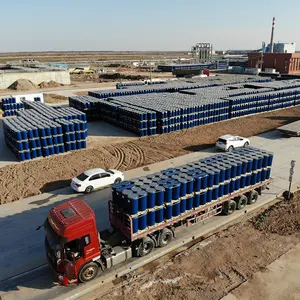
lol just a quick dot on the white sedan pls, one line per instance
(95, 179)
(229, 142)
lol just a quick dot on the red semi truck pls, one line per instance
(77, 252)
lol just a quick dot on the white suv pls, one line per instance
(229, 142)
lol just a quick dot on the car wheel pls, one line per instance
(89, 189)
(118, 180)
(246, 144)
(230, 149)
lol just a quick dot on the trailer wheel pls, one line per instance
(241, 202)
(252, 197)
(146, 246)
(229, 207)
(165, 238)
(88, 272)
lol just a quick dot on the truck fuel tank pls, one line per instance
(116, 256)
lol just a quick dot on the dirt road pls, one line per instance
(46, 174)
(211, 269)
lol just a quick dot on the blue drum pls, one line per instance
(176, 209)
(260, 161)
(133, 202)
(151, 218)
(196, 201)
(183, 186)
(248, 179)
(142, 200)
(203, 198)
(216, 175)
(253, 178)
(210, 179)
(254, 162)
(168, 211)
(159, 215)
(142, 221)
(221, 190)
(238, 183)
(197, 182)
(227, 170)
(153, 185)
(268, 173)
(151, 197)
(135, 189)
(238, 167)
(259, 176)
(263, 174)
(182, 205)
(226, 188)
(176, 190)
(232, 186)
(222, 172)
(135, 224)
(160, 195)
(270, 159)
(189, 203)
(243, 182)
(215, 193)
(204, 181)
(168, 192)
(209, 195)
(190, 185)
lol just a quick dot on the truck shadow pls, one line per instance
(207, 147)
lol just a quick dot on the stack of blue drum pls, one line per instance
(10, 106)
(163, 196)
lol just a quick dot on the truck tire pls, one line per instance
(241, 202)
(145, 247)
(229, 207)
(89, 189)
(230, 148)
(88, 272)
(252, 197)
(165, 237)
(118, 180)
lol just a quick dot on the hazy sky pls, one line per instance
(38, 25)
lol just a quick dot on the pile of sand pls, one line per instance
(50, 84)
(23, 85)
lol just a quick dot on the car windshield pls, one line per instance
(82, 177)
(223, 141)
(109, 171)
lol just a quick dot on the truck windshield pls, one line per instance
(53, 241)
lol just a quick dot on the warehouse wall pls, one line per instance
(6, 79)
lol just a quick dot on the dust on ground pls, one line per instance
(54, 98)
(210, 270)
(45, 174)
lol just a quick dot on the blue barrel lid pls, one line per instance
(115, 186)
(142, 178)
(136, 189)
(162, 182)
(189, 178)
(120, 189)
(153, 184)
(164, 177)
(175, 177)
(150, 176)
(142, 193)
(133, 196)
(126, 192)
(147, 181)
(160, 189)
(145, 186)
(168, 185)
(155, 179)
(139, 183)
(183, 175)
(157, 174)
(182, 180)
(150, 190)
(176, 183)
(125, 182)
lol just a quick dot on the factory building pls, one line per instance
(284, 63)
(283, 47)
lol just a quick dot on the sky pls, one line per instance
(136, 25)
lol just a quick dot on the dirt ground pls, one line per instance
(54, 98)
(209, 270)
(32, 177)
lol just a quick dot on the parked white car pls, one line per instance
(229, 142)
(95, 179)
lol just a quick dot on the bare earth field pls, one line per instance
(211, 269)
(41, 175)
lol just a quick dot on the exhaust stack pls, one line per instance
(272, 36)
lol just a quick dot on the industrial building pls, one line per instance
(283, 47)
(284, 63)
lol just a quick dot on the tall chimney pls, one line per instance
(272, 35)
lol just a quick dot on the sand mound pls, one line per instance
(50, 84)
(23, 85)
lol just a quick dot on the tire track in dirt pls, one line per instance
(139, 157)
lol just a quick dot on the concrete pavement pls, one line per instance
(18, 220)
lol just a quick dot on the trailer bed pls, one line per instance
(123, 221)
(292, 129)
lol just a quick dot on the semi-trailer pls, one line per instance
(147, 212)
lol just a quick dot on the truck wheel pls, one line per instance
(118, 180)
(89, 189)
(252, 197)
(88, 272)
(241, 202)
(229, 207)
(230, 149)
(146, 246)
(165, 238)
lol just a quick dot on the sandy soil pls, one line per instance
(211, 269)
(54, 98)
(46, 174)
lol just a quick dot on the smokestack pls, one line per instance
(272, 36)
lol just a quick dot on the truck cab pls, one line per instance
(72, 242)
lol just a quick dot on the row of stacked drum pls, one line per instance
(165, 195)
(31, 134)
(10, 106)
